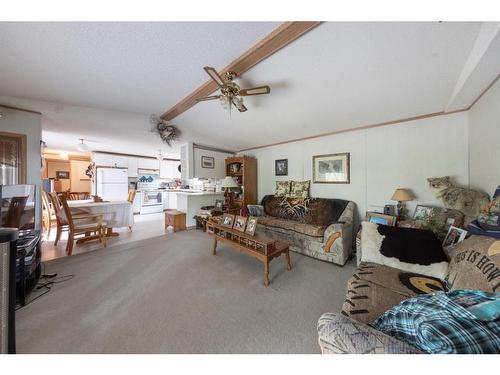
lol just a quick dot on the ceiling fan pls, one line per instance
(231, 94)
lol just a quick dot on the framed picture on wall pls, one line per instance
(281, 167)
(331, 169)
(62, 175)
(207, 162)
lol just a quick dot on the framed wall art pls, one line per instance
(331, 169)
(281, 167)
(208, 162)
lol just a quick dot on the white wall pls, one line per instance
(27, 123)
(484, 135)
(220, 166)
(382, 159)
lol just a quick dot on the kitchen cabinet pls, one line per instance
(164, 199)
(165, 169)
(172, 201)
(168, 169)
(120, 161)
(136, 205)
(102, 160)
(132, 167)
(146, 163)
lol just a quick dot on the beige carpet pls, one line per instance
(169, 294)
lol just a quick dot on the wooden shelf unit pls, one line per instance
(244, 169)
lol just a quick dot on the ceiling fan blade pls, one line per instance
(208, 98)
(214, 75)
(255, 91)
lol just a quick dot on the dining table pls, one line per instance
(116, 214)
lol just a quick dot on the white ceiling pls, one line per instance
(339, 75)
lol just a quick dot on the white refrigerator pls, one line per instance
(112, 183)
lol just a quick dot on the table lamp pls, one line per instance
(402, 196)
(228, 183)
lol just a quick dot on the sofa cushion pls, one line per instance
(374, 289)
(282, 188)
(299, 189)
(475, 264)
(314, 211)
(409, 249)
(307, 229)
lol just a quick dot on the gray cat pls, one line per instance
(465, 200)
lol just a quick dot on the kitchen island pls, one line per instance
(191, 203)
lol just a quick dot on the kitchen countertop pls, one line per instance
(197, 193)
(181, 192)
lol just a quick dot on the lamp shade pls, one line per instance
(403, 195)
(228, 182)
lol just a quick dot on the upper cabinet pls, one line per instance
(120, 161)
(146, 163)
(102, 160)
(132, 167)
(169, 169)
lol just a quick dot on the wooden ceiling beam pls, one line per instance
(276, 40)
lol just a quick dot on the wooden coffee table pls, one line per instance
(258, 246)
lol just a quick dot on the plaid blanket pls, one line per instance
(462, 321)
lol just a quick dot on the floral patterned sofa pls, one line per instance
(318, 227)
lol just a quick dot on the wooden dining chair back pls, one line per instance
(75, 196)
(61, 222)
(131, 195)
(86, 225)
(48, 218)
(15, 212)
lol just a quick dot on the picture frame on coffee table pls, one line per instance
(251, 225)
(228, 220)
(240, 223)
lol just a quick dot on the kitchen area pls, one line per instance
(157, 184)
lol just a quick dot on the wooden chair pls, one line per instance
(62, 223)
(130, 199)
(75, 196)
(82, 225)
(48, 215)
(131, 195)
(15, 212)
(61, 219)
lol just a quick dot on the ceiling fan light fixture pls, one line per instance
(83, 147)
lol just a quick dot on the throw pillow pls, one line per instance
(255, 210)
(490, 213)
(408, 249)
(282, 188)
(299, 189)
(475, 264)
(441, 323)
